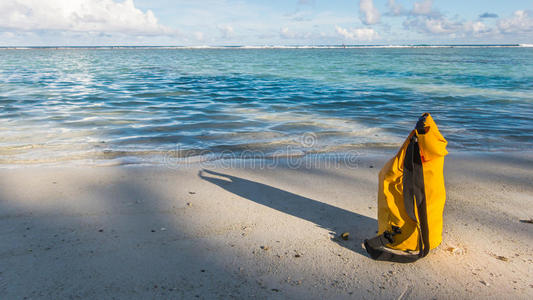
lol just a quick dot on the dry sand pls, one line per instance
(245, 232)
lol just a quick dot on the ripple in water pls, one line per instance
(139, 105)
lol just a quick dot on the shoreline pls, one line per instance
(243, 232)
(349, 158)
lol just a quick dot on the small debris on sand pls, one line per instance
(502, 258)
(530, 221)
(265, 248)
(189, 204)
(192, 193)
(345, 236)
(484, 282)
(455, 250)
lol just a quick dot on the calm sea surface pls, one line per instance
(137, 105)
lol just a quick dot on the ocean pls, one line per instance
(143, 105)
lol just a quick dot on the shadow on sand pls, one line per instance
(109, 245)
(335, 219)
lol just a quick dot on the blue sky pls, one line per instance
(260, 22)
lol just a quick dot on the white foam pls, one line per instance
(272, 47)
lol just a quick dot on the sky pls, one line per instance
(263, 22)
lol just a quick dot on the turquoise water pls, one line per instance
(141, 104)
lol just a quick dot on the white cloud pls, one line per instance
(443, 26)
(519, 22)
(395, 9)
(423, 8)
(359, 34)
(439, 26)
(285, 33)
(368, 12)
(300, 16)
(476, 28)
(226, 31)
(420, 9)
(432, 25)
(198, 35)
(423, 18)
(111, 22)
(105, 16)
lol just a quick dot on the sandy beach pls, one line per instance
(231, 149)
(245, 232)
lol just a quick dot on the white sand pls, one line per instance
(153, 244)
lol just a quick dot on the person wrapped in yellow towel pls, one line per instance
(411, 197)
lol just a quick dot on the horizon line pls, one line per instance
(422, 45)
